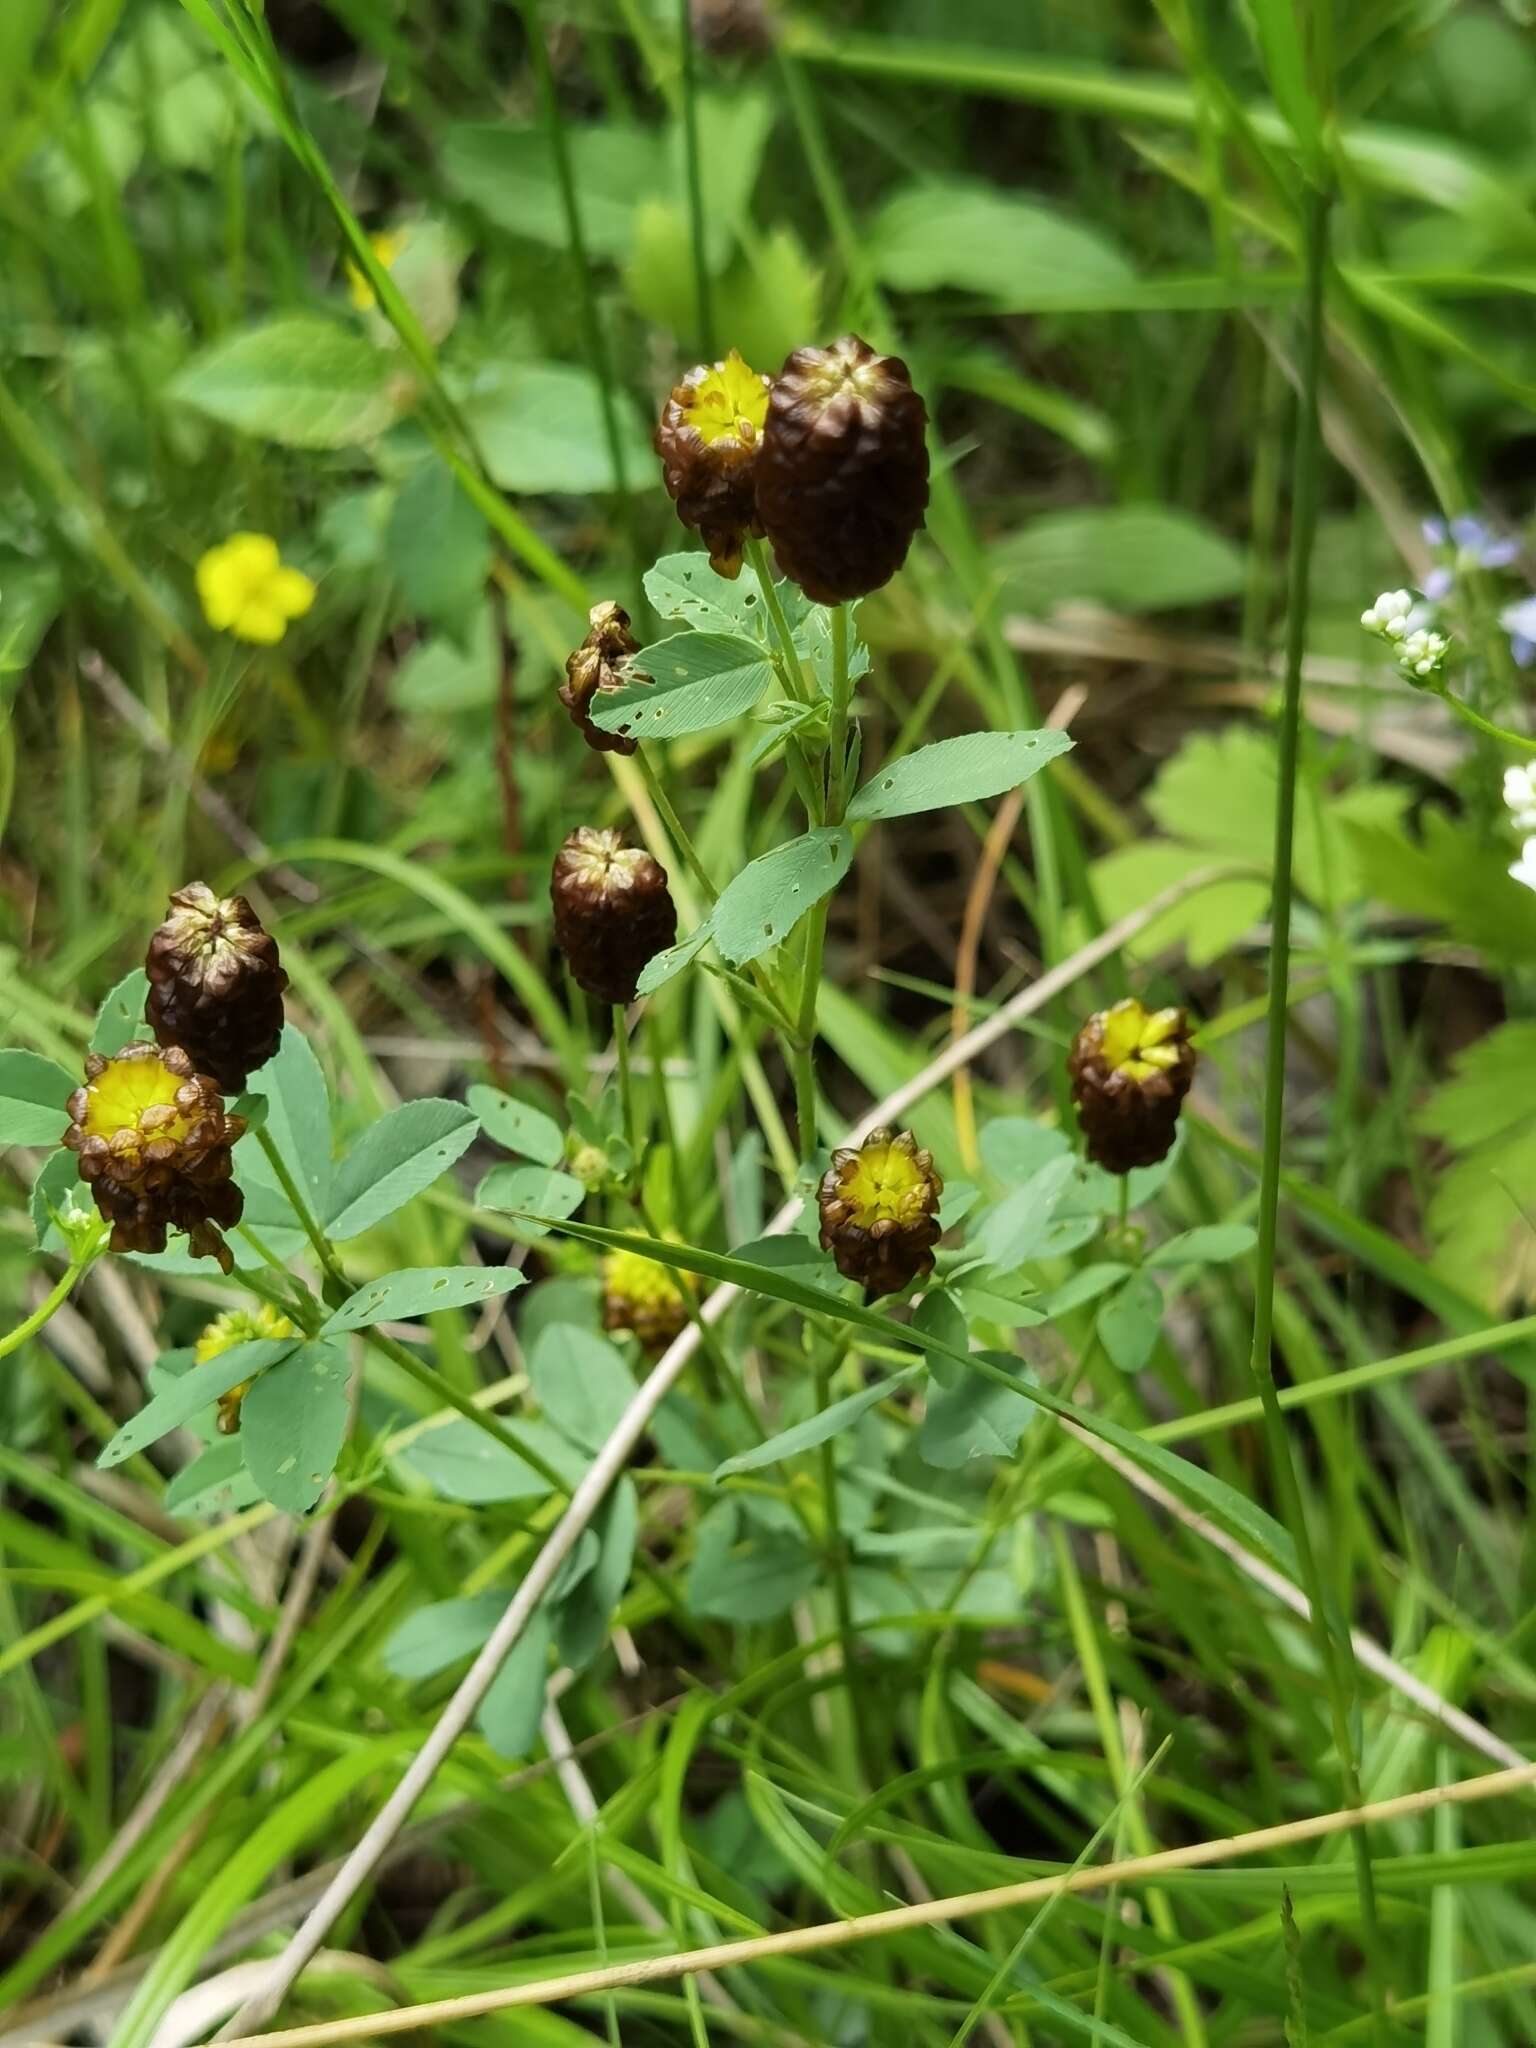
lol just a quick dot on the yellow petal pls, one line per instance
(260, 621)
(292, 592)
(253, 554)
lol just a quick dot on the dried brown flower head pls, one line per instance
(613, 911)
(216, 985)
(594, 667)
(1131, 1069)
(879, 1206)
(708, 439)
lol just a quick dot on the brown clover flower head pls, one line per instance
(645, 1297)
(879, 1206)
(154, 1147)
(216, 985)
(1131, 1068)
(238, 1326)
(842, 481)
(594, 667)
(708, 438)
(613, 911)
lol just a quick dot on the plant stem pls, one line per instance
(676, 831)
(55, 1299)
(632, 1130)
(703, 309)
(1463, 710)
(1334, 1650)
(788, 654)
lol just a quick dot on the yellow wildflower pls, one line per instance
(238, 1326)
(245, 590)
(386, 246)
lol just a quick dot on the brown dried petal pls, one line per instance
(613, 911)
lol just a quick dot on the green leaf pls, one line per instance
(1016, 1229)
(195, 1390)
(1129, 1322)
(441, 676)
(30, 596)
(120, 1019)
(302, 381)
(733, 128)
(1206, 925)
(1252, 1524)
(1083, 1287)
(462, 1463)
(395, 1159)
(581, 1382)
(1211, 1245)
(509, 173)
(1134, 557)
(763, 904)
(696, 680)
(975, 1418)
(1481, 1214)
(661, 967)
(215, 1483)
(440, 1634)
(755, 1580)
(517, 1125)
(421, 1291)
(508, 1716)
(816, 1429)
(685, 587)
(531, 1193)
(770, 297)
(582, 1617)
(1022, 256)
(437, 544)
(541, 427)
(33, 1092)
(293, 1423)
(1016, 1147)
(299, 1116)
(965, 770)
(58, 1182)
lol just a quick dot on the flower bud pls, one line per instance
(154, 1146)
(879, 1206)
(644, 1297)
(595, 667)
(1131, 1069)
(842, 481)
(708, 438)
(613, 911)
(216, 985)
(238, 1326)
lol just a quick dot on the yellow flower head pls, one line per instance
(1139, 1042)
(245, 590)
(386, 246)
(889, 1180)
(644, 1297)
(136, 1097)
(730, 398)
(238, 1326)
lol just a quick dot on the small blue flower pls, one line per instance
(1438, 584)
(1434, 532)
(1519, 622)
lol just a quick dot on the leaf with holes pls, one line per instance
(517, 1125)
(976, 1418)
(33, 1092)
(215, 1483)
(293, 1423)
(685, 587)
(765, 902)
(536, 1195)
(958, 771)
(195, 1390)
(395, 1159)
(419, 1291)
(120, 1019)
(696, 681)
(661, 967)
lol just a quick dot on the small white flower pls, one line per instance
(1524, 869)
(1422, 653)
(1520, 797)
(1389, 614)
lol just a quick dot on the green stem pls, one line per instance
(632, 1131)
(593, 328)
(1334, 1650)
(703, 308)
(337, 1289)
(788, 653)
(1463, 710)
(816, 931)
(676, 831)
(53, 1301)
